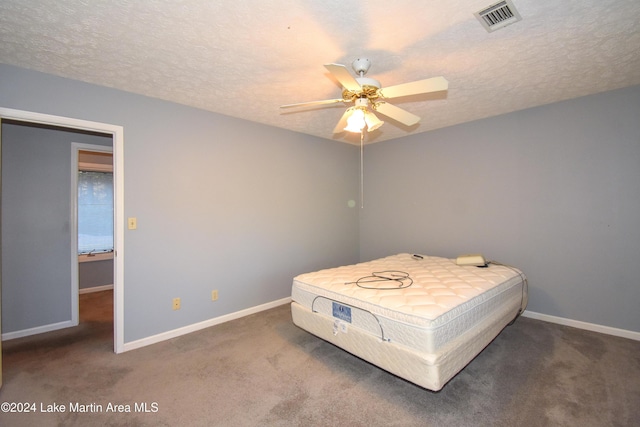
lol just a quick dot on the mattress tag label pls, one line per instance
(339, 326)
(341, 312)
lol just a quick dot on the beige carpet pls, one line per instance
(262, 370)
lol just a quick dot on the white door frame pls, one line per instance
(118, 188)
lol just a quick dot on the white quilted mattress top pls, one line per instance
(441, 290)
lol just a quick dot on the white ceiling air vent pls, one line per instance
(498, 15)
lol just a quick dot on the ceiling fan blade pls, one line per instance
(313, 103)
(342, 123)
(343, 75)
(396, 113)
(433, 84)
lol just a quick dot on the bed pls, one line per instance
(422, 318)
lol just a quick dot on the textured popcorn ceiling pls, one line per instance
(246, 58)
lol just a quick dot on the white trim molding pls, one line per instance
(37, 330)
(99, 256)
(118, 188)
(583, 325)
(203, 325)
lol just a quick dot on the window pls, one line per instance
(95, 212)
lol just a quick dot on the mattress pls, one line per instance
(422, 318)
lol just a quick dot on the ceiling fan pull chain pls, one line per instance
(362, 169)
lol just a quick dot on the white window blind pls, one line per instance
(95, 212)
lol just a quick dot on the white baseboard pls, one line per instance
(202, 325)
(583, 325)
(38, 330)
(54, 326)
(95, 289)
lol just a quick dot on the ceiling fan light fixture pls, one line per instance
(372, 121)
(356, 122)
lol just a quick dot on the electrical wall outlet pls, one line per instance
(214, 295)
(176, 303)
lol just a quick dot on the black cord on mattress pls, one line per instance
(400, 277)
(525, 285)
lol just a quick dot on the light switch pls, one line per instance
(133, 223)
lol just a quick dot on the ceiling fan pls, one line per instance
(368, 95)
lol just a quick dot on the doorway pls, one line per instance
(116, 133)
(92, 227)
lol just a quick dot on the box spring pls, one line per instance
(425, 332)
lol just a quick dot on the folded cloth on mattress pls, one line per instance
(437, 304)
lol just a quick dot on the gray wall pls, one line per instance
(554, 190)
(36, 233)
(240, 207)
(221, 203)
(95, 273)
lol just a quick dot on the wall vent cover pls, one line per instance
(498, 15)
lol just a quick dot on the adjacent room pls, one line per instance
(169, 168)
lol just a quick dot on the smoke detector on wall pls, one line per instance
(498, 15)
